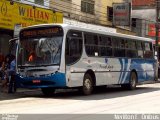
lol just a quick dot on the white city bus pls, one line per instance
(65, 56)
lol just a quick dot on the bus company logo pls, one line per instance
(4, 9)
(106, 60)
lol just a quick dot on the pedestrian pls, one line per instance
(1, 58)
(11, 73)
(3, 77)
(9, 57)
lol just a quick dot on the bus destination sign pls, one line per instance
(41, 32)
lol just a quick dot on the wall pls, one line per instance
(32, 2)
(143, 3)
(103, 9)
(99, 18)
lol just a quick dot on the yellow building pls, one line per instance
(104, 10)
(15, 13)
(105, 15)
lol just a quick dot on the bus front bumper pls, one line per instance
(57, 80)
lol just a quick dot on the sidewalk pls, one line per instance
(20, 93)
(19, 89)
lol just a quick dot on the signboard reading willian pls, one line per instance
(12, 13)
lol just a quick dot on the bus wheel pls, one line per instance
(132, 83)
(87, 85)
(48, 91)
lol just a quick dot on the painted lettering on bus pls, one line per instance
(106, 66)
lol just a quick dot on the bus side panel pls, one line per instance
(150, 69)
(139, 66)
(74, 79)
(76, 72)
(124, 70)
(144, 68)
(108, 70)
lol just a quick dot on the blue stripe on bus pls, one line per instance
(140, 65)
(127, 68)
(55, 80)
(120, 76)
(124, 69)
(124, 65)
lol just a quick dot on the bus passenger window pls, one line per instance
(131, 51)
(105, 46)
(91, 44)
(119, 50)
(140, 49)
(73, 50)
(148, 53)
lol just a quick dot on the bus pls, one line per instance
(53, 56)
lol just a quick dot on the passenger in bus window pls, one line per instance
(32, 56)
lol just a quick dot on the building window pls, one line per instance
(32, 1)
(134, 22)
(87, 6)
(66, 0)
(110, 13)
(39, 2)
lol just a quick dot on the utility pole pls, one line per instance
(157, 27)
(157, 37)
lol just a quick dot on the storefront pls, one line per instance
(13, 13)
(5, 35)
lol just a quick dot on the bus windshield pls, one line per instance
(40, 46)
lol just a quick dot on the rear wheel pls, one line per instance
(87, 88)
(48, 91)
(132, 83)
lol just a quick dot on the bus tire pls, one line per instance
(48, 91)
(87, 87)
(132, 82)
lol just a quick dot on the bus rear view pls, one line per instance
(39, 58)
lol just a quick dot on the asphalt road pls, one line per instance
(145, 99)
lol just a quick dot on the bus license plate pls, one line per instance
(36, 81)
